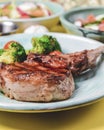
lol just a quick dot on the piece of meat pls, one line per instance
(93, 55)
(50, 61)
(34, 82)
(76, 62)
(46, 77)
(81, 61)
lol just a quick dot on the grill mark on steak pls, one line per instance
(32, 83)
(76, 62)
(51, 61)
(23, 71)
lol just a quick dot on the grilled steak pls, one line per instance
(76, 62)
(34, 82)
(45, 77)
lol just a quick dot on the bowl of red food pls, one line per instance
(85, 21)
(25, 13)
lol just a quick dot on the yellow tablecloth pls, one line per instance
(90, 117)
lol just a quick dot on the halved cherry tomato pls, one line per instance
(101, 27)
(6, 46)
(91, 18)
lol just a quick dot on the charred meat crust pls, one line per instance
(35, 83)
(75, 62)
(51, 61)
(78, 62)
(23, 71)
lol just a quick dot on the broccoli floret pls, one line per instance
(6, 57)
(12, 52)
(1, 51)
(45, 44)
(17, 51)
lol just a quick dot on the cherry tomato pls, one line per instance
(6, 46)
(91, 18)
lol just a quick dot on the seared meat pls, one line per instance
(33, 82)
(76, 62)
(46, 77)
(81, 61)
(50, 61)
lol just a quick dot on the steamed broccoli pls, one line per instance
(45, 44)
(12, 52)
(1, 51)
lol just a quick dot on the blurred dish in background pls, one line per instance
(69, 18)
(7, 28)
(47, 21)
(91, 22)
(28, 9)
(36, 29)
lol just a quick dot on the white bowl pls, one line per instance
(48, 21)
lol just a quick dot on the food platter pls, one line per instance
(88, 88)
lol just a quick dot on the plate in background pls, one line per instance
(47, 21)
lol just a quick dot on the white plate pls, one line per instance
(86, 91)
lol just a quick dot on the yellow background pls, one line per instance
(90, 117)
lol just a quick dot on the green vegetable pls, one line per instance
(18, 52)
(7, 57)
(97, 22)
(45, 44)
(91, 23)
(1, 51)
(13, 53)
(92, 26)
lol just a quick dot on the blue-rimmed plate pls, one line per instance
(86, 91)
